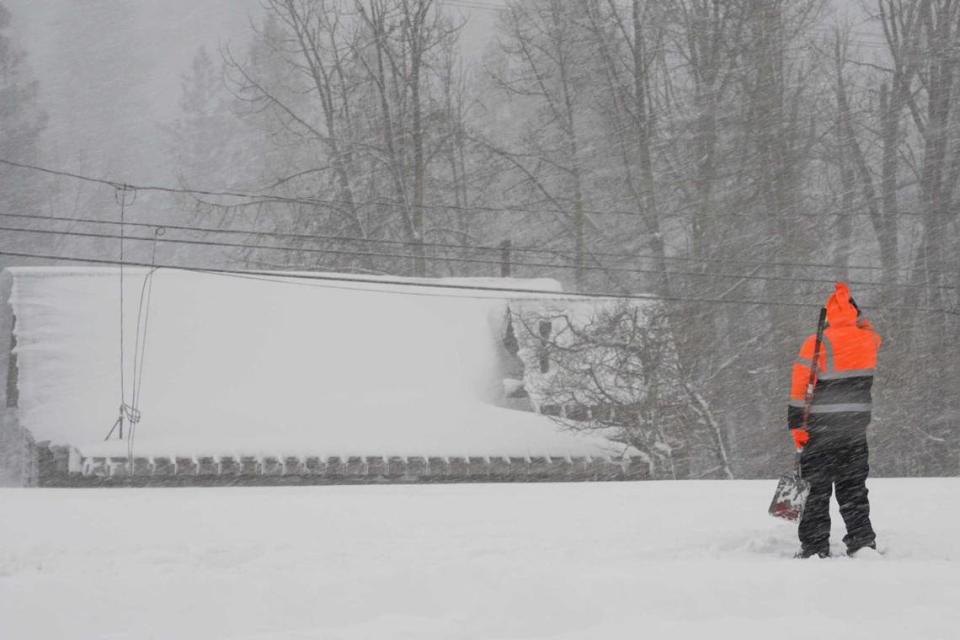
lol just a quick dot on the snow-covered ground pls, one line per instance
(629, 560)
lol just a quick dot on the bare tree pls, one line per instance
(545, 68)
(22, 122)
(614, 368)
(412, 69)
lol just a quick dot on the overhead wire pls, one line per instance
(120, 194)
(381, 202)
(291, 235)
(120, 186)
(166, 189)
(460, 260)
(140, 350)
(445, 289)
(183, 191)
(560, 253)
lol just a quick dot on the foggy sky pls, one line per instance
(110, 73)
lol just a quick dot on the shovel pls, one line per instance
(791, 495)
(792, 490)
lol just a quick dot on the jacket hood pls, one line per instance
(840, 311)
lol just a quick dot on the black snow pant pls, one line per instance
(842, 462)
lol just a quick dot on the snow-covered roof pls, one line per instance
(271, 365)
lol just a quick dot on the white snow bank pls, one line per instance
(252, 365)
(587, 561)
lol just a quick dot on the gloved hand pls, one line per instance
(800, 437)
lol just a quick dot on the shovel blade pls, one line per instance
(790, 497)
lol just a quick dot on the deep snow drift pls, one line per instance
(638, 560)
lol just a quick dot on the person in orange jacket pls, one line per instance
(834, 440)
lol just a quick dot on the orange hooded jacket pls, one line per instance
(847, 360)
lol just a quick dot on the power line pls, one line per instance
(288, 235)
(451, 259)
(240, 245)
(453, 246)
(120, 186)
(319, 279)
(124, 186)
(117, 184)
(313, 201)
(127, 187)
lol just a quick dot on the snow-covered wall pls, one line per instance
(238, 365)
(17, 454)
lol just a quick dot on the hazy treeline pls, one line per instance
(21, 120)
(732, 157)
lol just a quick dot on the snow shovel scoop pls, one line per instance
(791, 495)
(792, 490)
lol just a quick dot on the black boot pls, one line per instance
(823, 552)
(852, 550)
